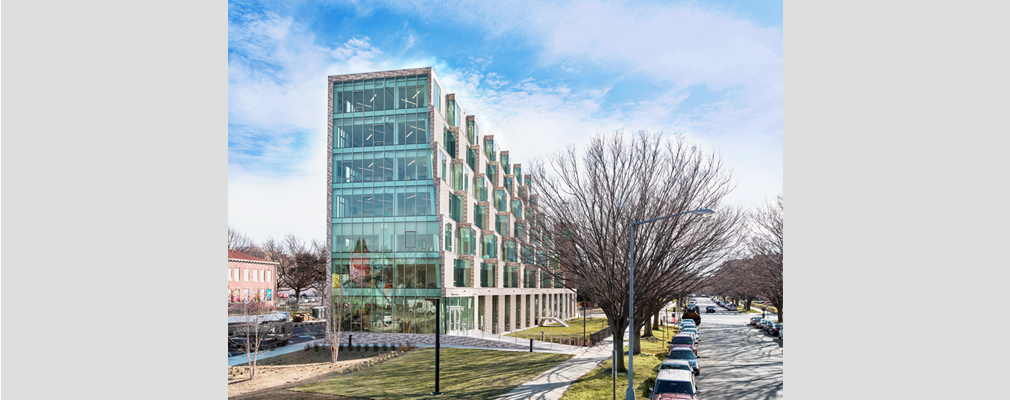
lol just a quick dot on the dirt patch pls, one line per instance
(275, 375)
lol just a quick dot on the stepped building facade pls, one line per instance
(423, 204)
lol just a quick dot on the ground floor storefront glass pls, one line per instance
(375, 310)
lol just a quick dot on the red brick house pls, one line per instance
(251, 279)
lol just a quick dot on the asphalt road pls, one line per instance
(737, 361)
(300, 334)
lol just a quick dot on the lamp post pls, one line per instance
(584, 322)
(438, 347)
(630, 393)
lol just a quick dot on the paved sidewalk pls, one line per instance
(553, 383)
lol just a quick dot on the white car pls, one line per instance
(697, 337)
(676, 364)
(674, 384)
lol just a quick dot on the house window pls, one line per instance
(229, 274)
(263, 275)
(246, 273)
(255, 275)
(236, 277)
(448, 237)
(411, 239)
(438, 95)
(269, 278)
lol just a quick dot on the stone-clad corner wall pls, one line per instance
(379, 74)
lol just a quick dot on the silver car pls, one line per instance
(686, 355)
(676, 364)
(694, 331)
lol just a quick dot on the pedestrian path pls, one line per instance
(553, 383)
(394, 340)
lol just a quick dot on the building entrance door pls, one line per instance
(455, 321)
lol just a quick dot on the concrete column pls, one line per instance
(501, 313)
(488, 316)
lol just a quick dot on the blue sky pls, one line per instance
(551, 74)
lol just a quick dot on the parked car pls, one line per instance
(697, 337)
(684, 340)
(676, 364)
(767, 326)
(687, 324)
(674, 384)
(754, 321)
(693, 335)
(780, 332)
(710, 309)
(773, 329)
(686, 355)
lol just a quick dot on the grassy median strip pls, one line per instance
(574, 328)
(598, 383)
(465, 374)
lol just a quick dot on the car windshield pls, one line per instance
(674, 387)
(690, 330)
(685, 354)
(682, 340)
(675, 366)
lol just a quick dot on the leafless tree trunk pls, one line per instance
(302, 266)
(243, 244)
(766, 246)
(587, 202)
(250, 332)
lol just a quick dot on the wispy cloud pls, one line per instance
(713, 76)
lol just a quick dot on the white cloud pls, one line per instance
(277, 85)
(276, 92)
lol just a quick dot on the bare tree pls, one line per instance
(737, 280)
(302, 265)
(766, 246)
(587, 202)
(249, 333)
(240, 242)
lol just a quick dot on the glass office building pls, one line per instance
(421, 202)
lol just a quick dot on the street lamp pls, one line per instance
(630, 394)
(438, 347)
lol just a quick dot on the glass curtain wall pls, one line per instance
(489, 246)
(378, 95)
(500, 202)
(385, 260)
(456, 207)
(449, 140)
(480, 217)
(531, 277)
(545, 279)
(511, 277)
(471, 158)
(489, 150)
(501, 224)
(471, 130)
(487, 275)
(509, 250)
(451, 113)
(461, 273)
(480, 184)
(505, 166)
(467, 242)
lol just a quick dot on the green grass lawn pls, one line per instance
(597, 384)
(465, 374)
(574, 328)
